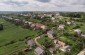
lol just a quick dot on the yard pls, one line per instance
(43, 39)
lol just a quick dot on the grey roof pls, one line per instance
(51, 32)
(39, 51)
(30, 42)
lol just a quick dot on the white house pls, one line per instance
(53, 19)
(83, 35)
(61, 27)
(78, 31)
(66, 48)
(68, 23)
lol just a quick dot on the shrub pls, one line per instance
(1, 27)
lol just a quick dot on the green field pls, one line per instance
(15, 34)
(42, 40)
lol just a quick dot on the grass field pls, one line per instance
(42, 40)
(15, 34)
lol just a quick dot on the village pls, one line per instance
(58, 35)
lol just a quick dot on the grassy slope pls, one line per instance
(13, 33)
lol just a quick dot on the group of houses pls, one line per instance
(58, 44)
(62, 46)
(37, 50)
(26, 23)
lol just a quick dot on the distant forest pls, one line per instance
(73, 14)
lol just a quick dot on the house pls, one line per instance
(62, 46)
(57, 14)
(39, 26)
(52, 50)
(51, 34)
(82, 52)
(61, 27)
(30, 43)
(83, 35)
(59, 43)
(23, 21)
(30, 23)
(26, 22)
(78, 31)
(53, 19)
(66, 48)
(10, 18)
(73, 22)
(39, 51)
(17, 21)
(68, 23)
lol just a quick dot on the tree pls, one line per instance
(21, 53)
(47, 52)
(1, 27)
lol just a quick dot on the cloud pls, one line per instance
(17, 3)
(79, 2)
(42, 5)
(43, 1)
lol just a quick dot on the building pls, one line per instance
(17, 21)
(66, 48)
(39, 51)
(78, 31)
(61, 27)
(41, 26)
(68, 23)
(59, 43)
(62, 46)
(30, 43)
(30, 23)
(51, 34)
(53, 19)
(82, 52)
(10, 18)
(83, 35)
(26, 22)
(52, 50)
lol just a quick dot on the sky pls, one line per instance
(42, 5)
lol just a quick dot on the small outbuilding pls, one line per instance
(39, 51)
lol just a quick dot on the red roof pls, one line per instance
(38, 25)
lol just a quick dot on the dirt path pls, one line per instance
(35, 39)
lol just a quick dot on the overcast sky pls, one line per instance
(42, 5)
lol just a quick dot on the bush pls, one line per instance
(67, 34)
(11, 42)
(76, 27)
(1, 27)
(21, 53)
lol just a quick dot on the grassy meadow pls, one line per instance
(14, 35)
